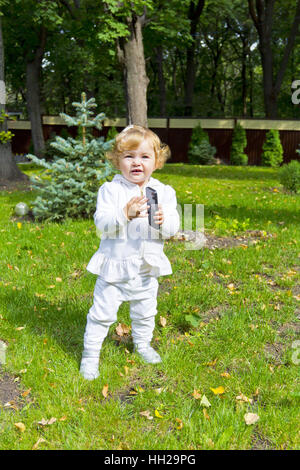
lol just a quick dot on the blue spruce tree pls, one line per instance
(77, 173)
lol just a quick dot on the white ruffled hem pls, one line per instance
(116, 270)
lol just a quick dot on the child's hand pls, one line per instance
(136, 207)
(159, 215)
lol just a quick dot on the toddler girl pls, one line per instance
(130, 257)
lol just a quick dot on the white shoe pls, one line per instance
(146, 352)
(89, 368)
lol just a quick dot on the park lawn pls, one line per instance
(226, 329)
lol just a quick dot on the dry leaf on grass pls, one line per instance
(196, 394)
(162, 321)
(47, 422)
(212, 363)
(204, 401)
(105, 390)
(122, 329)
(251, 418)
(243, 397)
(146, 414)
(38, 442)
(231, 286)
(11, 404)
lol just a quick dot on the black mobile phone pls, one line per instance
(151, 194)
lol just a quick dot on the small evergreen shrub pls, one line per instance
(200, 151)
(73, 179)
(272, 149)
(202, 154)
(49, 151)
(289, 176)
(239, 143)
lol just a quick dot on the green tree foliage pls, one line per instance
(81, 53)
(239, 143)
(75, 177)
(272, 149)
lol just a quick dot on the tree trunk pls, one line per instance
(8, 167)
(161, 81)
(262, 16)
(131, 55)
(33, 70)
(244, 77)
(190, 82)
(194, 15)
(251, 105)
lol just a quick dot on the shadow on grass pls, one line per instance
(63, 321)
(42, 318)
(219, 172)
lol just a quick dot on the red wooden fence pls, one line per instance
(177, 133)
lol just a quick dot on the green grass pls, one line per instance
(251, 338)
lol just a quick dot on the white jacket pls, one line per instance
(125, 245)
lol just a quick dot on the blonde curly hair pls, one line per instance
(130, 139)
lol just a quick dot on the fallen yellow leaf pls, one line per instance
(24, 394)
(206, 415)
(212, 363)
(157, 414)
(105, 390)
(162, 321)
(218, 391)
(20, 426)
(225, 374)
(180, 423)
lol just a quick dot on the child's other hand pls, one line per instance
(136, 207)
(159, 215)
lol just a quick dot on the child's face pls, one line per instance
(138, 165)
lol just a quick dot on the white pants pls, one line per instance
(141, 292)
